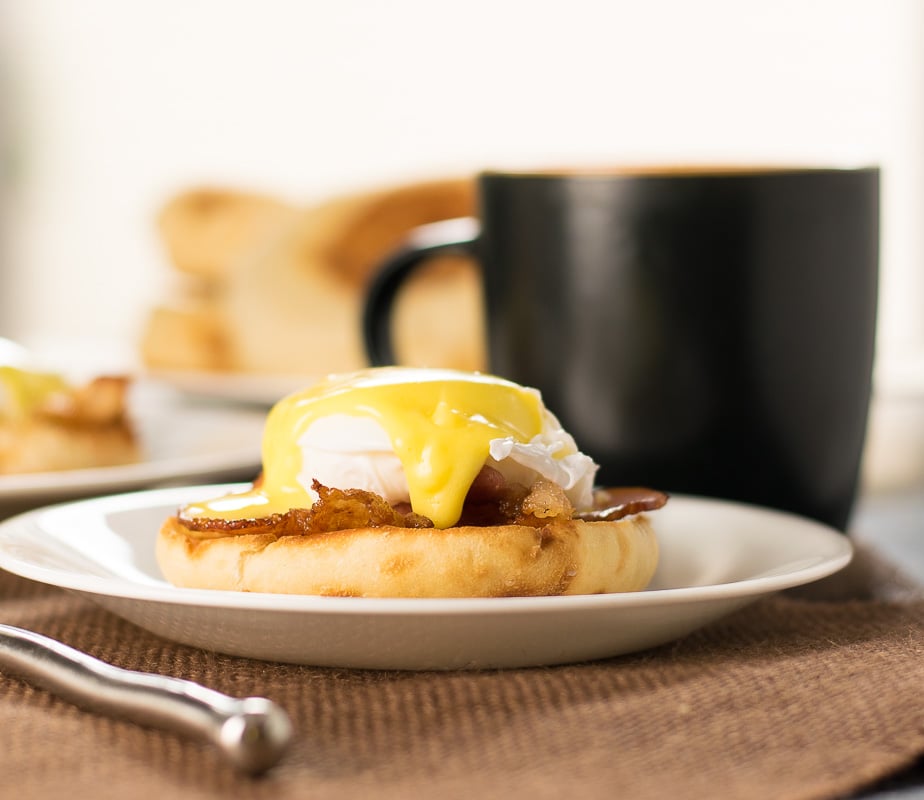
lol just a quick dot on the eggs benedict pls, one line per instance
(407, 482)
(48, 424)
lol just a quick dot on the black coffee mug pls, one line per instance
(700, 331)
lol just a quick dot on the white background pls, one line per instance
(109, 107)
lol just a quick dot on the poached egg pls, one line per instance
(411, 435)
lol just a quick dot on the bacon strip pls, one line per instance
(491, 501)
(617, 502)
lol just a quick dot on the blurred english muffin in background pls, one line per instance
(263, 286)
(205, 229)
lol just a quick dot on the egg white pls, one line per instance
(347, 451)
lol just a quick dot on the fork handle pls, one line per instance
(253, 732)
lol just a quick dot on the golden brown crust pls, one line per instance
(204, 229)
(349, 235)
(48, 446)
(186, 336)
(564, 556)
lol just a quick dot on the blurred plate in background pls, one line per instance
(179, 445)
(238, 387)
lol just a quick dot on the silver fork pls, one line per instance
(252, 733)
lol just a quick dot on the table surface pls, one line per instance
(893, 522)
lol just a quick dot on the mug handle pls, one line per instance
(452, 236)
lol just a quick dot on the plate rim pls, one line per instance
(260, 389)
(122, 588)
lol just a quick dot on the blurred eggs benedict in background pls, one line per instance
(48, 424)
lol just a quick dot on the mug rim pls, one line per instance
(675, 170)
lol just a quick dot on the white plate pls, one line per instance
(716, 557)
(238, 387)
(188, 445)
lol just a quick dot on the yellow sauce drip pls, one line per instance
(23, 391)
(440, 423)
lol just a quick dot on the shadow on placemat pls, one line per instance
(808, 694)
(868, 577)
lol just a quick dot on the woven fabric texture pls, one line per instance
(801, 695)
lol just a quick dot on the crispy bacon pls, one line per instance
(335, 510)
(623, 501)
(491, 501)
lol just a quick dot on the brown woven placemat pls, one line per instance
(803, 695)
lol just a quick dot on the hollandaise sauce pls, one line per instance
(440, 424)
(22, 391)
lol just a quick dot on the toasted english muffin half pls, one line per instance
(562, 557)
